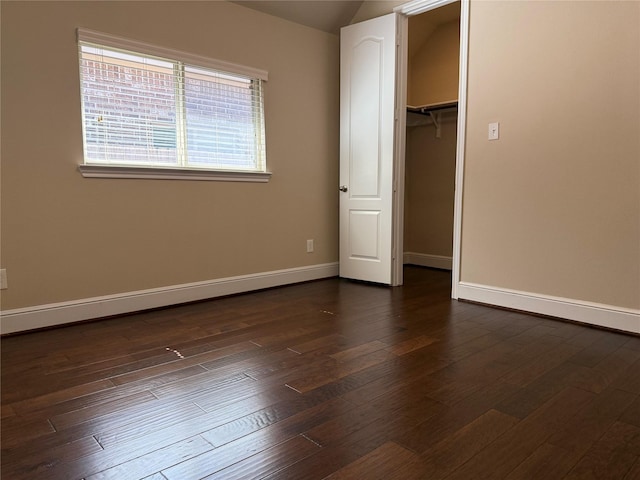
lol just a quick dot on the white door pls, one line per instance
(367, 126)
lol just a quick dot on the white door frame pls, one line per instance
(417, 7)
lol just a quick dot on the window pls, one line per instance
(153, 108)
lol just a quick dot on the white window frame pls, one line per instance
(95, 170)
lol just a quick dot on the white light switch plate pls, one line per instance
(494, 131)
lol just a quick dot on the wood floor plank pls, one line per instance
(507, 452)
(632, 414)
(132, 447)
(347, 450)
(550, 462)
(28, 403)
(411, 344)
(633, 342)
(155, 461)
(468, 341)
(629, 380)
(390, 461)
(136, 446)
(180, 364)
(155, 476)
(444, 457)
(246, 401)
(331, 340)
(589, 424)
(586, 338)
(109, 394)
(622, 436)
(544, 388)
(294, 424)
(541, 365)
(417, 369)
(339, 370)
(41, 462)
(435, 429)
(359, 351)
(76, 417)
(599, 350)
(16, 430)
(564, 448)
(318, 466)
(115, 365)
(612, 457)
(222, 457)
(202, 383)
(344, 424)
(330, 378)
(448, 390)
(262, 418)
(356, 444)
(268, 461)
(618, 363)
(156, 378)
(533, 334)
(147, 421)
(634, 471)
(288, 361)
(7, 411)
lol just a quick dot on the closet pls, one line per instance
(432, 95)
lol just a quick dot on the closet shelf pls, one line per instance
(434, 111)
(433, 107)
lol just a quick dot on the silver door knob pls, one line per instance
(343, 188)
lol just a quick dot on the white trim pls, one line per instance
(53, 314)
(400, 134)
(162, 173)
(609, 316)
(417, 7)
(107, 40)
(427, 260)
(460, 147)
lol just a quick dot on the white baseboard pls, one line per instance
(426, 260)
(53, 314)
(618, 318)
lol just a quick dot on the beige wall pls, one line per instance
(65, 237)
(433, 68)
(429, 188)
(553, 207)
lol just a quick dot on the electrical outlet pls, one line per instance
(310, 246)
(3, 279)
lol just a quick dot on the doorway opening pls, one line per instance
(435, 93)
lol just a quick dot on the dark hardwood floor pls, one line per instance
(329, 379)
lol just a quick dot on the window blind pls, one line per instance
(148, 110)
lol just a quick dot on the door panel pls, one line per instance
(364, 128)
(367, 126)
(365, 230)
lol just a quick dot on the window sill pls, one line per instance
(161, 173)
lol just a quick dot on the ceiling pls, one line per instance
(325, 15)
(330, 15)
